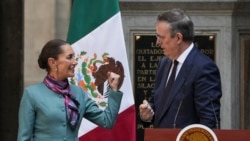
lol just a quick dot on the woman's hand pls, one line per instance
(113, 80)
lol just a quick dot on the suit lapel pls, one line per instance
(166, 70)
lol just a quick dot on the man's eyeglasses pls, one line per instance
(159, 37)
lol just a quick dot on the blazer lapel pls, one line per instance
(164, 68)
(166, 71)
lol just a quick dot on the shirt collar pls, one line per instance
(184, 55)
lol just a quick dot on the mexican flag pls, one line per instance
(96, 35)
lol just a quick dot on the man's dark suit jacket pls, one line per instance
(195, 95)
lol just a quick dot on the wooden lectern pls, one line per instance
(160, 134)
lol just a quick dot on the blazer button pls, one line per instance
(64, 124)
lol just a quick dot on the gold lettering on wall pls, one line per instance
(147, 56)
(206, 44)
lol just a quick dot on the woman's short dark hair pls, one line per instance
(180, 22)
(50, 50)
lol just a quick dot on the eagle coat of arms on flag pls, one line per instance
(92, 75)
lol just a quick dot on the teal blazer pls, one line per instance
(42, 114)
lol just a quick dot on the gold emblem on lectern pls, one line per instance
(196, 132)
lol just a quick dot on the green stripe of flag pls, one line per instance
(85, 18)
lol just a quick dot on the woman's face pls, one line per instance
(65, 64)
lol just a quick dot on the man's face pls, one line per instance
(165, 41)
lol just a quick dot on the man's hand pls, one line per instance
(146, 112)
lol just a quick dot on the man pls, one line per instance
(194, 97)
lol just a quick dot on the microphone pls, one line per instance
(174, 125)
(217, 122)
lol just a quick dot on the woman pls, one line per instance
(52, 110)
